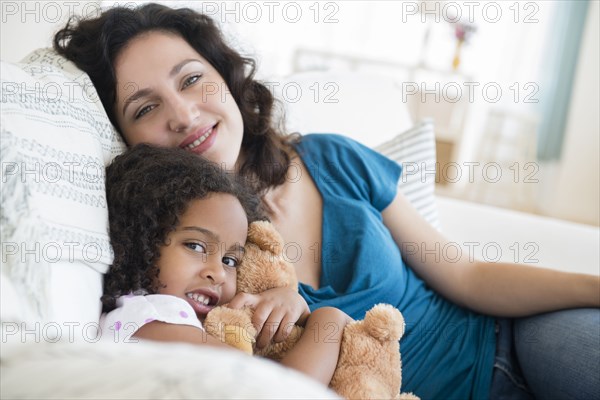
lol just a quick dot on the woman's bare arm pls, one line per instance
(500, 289)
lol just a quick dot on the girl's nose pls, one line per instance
(214, 272)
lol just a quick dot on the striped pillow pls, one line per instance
(414, 149)
(55, 140)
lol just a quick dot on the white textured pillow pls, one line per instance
(147, 370)
(55, 141)
(414, 149)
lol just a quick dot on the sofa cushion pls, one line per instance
(55, 142)
(414, 149)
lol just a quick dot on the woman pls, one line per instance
(167, 77)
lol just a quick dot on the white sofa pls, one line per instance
(50, 308)
(521, 237)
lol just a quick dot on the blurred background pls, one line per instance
(513, 86)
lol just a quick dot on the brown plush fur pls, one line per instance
(369, 365)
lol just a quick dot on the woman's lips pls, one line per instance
(201, 140)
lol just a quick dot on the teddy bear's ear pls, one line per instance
(264, 235)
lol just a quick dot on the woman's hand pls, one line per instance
(275, 312)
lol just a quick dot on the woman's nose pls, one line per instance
(182, 114)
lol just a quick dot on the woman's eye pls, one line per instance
(230, 262)
(143, 111)
(196, 247)
(191, 80)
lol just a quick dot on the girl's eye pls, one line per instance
(197, 247)
(143, 111)
(191, 80)
(230, 262)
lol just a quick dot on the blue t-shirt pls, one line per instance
(447, 351)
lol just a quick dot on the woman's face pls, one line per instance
(169, 95)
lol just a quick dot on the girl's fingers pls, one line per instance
(269, 328)
(273, 317)
(285, 328)
(260, 316)
(241, 300)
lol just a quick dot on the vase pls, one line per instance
(456, 60)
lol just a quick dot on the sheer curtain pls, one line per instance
(561, 55)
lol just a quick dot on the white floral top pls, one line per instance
(134, 311)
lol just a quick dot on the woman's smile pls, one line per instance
(200, 140)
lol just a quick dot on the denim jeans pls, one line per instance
(548, 356)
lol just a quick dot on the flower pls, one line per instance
(463, 31)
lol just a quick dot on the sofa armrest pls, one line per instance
(501, 235)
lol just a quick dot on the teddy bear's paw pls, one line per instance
(264, 235)
(276, 351)
(231, 326)
(238, 337)
(407, 396)
(362, 388)
(384, 322)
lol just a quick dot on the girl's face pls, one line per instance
(199, 261)
(169, 95)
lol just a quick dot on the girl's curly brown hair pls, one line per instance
(147, 190)
(94, 44)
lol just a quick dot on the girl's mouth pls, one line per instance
(201, 303)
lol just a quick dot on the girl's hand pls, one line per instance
(275, 312)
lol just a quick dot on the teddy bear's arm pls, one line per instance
(232, 327)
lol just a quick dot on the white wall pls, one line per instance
(28, 25)
(576, 195)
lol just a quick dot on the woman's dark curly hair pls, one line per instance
(94, 44)
(147, 190)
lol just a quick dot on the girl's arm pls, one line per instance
(500, 289)
(316, 352)
(164, 332)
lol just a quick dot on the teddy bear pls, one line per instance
(369, 365)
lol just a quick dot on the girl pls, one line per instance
(167, 77)
(177, 225)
